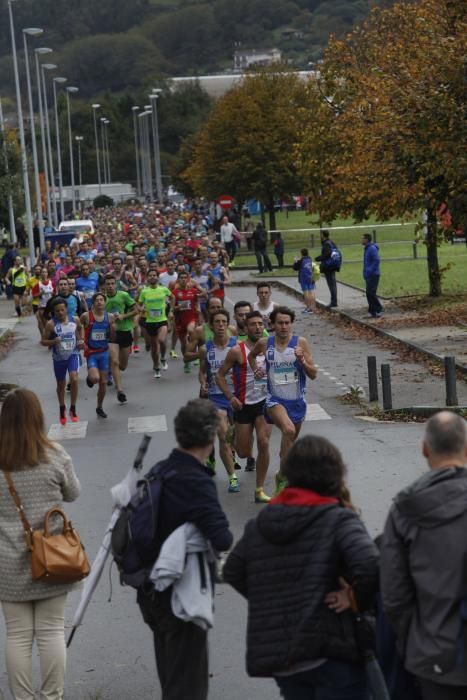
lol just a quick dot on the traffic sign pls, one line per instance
(226, 201)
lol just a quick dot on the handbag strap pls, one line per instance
(18, 504)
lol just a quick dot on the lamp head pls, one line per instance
(49, 66)
(33, 31)
(79, 138)
(134, 109)
(71, 89)
(95, 106)
(148, 108)
(42, 50)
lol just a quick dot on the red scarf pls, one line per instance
(291, 496)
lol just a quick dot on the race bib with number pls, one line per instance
(285, 375)
(155, 313)
(98, 335)
(67, 345)
(184, 305)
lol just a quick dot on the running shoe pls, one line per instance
(62, 415)
(164, 364)
(260, 496)
(89, 383)
(234, 486)
(280, 481)
(173, 354)
(157, 373)
(100, 412)
(121, 397)
(250, 464)
(68, 387)
(135, 348)
(110, 379)
(237, 465)
(187, 368)
(73, 415)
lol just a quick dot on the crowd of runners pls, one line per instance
(153, 281)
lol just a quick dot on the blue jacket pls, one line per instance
(371, 260)
(304, 267)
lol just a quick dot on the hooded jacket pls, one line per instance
(288, 559)
(424, 574)
(371, 261)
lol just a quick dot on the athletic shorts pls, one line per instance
(142, 323)
(35, 308)
(153, 328)
(19, 291)
(99, 360)
(308, 287)
(61, 367)
(296, 410)
(249, 413)
(221, 402)
(124, 339)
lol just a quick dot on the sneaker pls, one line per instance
(187, 368)
(157, 373)
(62, 418)
(135, 348)
(110, 379)
(260, 496)
(100, 412)
(121, 397)
(164, 365)
(89, 383)
(250, 464)
(305, 310)
(73, 415)
(173, 355)
(280, 481)
(237, 465)
(234, 486)
(68, 387)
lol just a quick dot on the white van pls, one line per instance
(80, 226)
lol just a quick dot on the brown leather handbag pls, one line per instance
(54, 558)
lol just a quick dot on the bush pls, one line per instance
(102, 201)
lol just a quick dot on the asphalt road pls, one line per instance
(111, 656)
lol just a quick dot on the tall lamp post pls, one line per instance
(24, 159)
(138, 173)
(106, 134)
(34, 31)
(155, 136)
(147, 136)
(94, 108)
(45, 67)
(59, 81)
(79, 140)
(71, 91)
(104, 150)
(42, 51)
(11, 214)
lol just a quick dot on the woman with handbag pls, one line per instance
(290, 558)
(37, 475)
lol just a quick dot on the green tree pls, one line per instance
(10, 177)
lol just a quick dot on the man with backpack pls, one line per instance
(330, 262)
(188, 495)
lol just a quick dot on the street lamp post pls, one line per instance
(147, 134)
(11, 214)
(144, 173)
(44, 67)
(104, 152)
(157, 151)
(34, 31)
(24, 159)
(106, 131)
(94, 108)
(71, 91)
(59, 81)
(79, 140)
(41, 52)
(138, 173)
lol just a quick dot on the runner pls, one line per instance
(203, 333)
(65, 337)
(211, 358)
(33, 287)
(288, 364)
(248, 401)
(123, 308)
(99, 328)
(169, 279)
(45, 293)
(202, 280)
(153, 305)
(17, 276)
(264, 304)
(186, 310)
(218, 277)
(87, 283)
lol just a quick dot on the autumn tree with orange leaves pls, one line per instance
(396, 125)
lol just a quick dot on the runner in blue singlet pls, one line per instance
(99, 326)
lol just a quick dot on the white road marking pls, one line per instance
(147, 424)
(70, 431)
(315, 412)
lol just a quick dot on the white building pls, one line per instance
(261, 57)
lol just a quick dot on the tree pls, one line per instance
(245, 149)
(10, 176)
(396, 91)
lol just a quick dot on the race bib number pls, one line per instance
(98, 335)
(88, 294)
(285, 375)
(184, 305)
(67, 345)
(155, 313)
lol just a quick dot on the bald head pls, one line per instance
(445, 439)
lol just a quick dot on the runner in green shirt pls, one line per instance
(152, 302)
(123, 307)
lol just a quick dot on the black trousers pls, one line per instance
(332, 284)
(181, 649)
(436, 691)
(263, 261)
(374, 304)
(231, 249)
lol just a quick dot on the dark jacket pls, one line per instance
(259, 238)
(371, 260)
(424, 573)
(287, 560)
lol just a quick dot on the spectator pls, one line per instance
(228, 233)
(260, 242)
(327, 247)
(287, 563)
(20, 233)
(304, 267)
(248, 228)
(279, 249)
(371, 275)
(43, 475)
(423, 564)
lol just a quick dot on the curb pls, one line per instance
(347, 317)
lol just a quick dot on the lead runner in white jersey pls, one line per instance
(248, 400)
(288, 365)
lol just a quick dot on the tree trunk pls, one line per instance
(434, 274)
(272, 215)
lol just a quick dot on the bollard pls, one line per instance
(450, 378)
(414, 245)
(374, 235)
(386, 383)
(372, 378)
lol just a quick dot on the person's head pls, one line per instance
(60, 310)
(219, 323)
(110, 285)
(117, 263)
(196, 426)
(445, 440)
(20, 449)
(214, 304)
(314, 463)
(225, 219)
(63, 287)
(241, 310)
(162, 259)
(213, 259)
(304, 252)
(153, 278)
(263, 292)
(170, 267)
(37, 270)
(324, 233)
(44, 274)
(18, 261)
(71, 284)
(98, 302)
(282, 319)
(254, 325)
(182, 279)
(198, 266)
(366, 239)
(85, 270)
